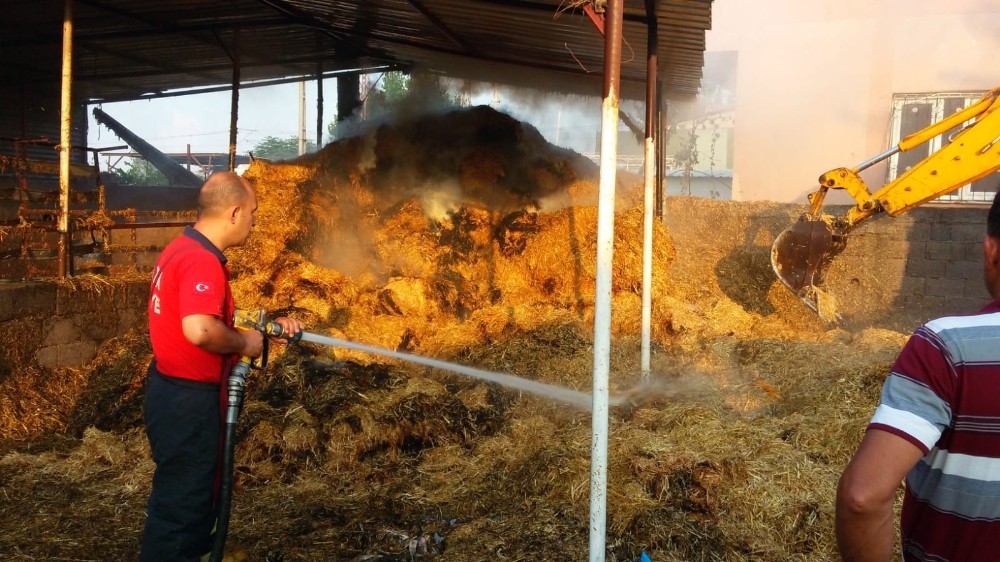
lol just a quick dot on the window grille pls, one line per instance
(913, 112)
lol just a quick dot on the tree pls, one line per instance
(395, 87)
(398, 92)
(139, 172)
(274, 148)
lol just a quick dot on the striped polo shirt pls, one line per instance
(943, 395)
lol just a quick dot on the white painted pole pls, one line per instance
(302, 117)
(647, 257)
(602, 297)
(65, 139)
(558, 124)
(649, 188)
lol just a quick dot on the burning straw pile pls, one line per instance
(466, 237)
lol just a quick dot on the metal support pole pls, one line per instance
(319, 105)
(602, 295)
(302, 117)
(348, 96)
(648, 201)
(234, 108)
(558, 124)
(661, 157)
(65, 139)
(365, 102)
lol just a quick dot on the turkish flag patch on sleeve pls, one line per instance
(206, 288)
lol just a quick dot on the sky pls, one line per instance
(202, 120)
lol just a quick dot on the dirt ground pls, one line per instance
(466, 237)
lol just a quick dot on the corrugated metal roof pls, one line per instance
(127, 49)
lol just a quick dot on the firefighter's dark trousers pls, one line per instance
(183, 427)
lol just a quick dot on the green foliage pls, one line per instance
(397, 91)
(395, 87)
(139, 172)
(274, 148)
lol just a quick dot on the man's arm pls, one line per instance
(864, 521)
(212, 335)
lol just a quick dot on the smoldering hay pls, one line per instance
(464, 236)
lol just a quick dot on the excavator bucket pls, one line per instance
(800, 255)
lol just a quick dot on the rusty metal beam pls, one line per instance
(234, 108)
(255, 84)
(319, 105)
(597, 19)
(652, 47)
(306, 59)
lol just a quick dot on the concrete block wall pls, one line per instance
(151, 239)
(894, 272)
(56, 325)
(946, 254)
(53, 325)
(146, 242)
(925, 263)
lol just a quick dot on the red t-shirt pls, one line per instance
(190, 278)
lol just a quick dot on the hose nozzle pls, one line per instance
(274, 329)
(257, 320)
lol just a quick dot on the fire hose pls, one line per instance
(237, 380)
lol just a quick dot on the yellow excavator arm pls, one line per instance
(803, 251)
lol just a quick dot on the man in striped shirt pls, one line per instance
(937, 424)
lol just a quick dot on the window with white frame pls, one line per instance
(913, 112)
